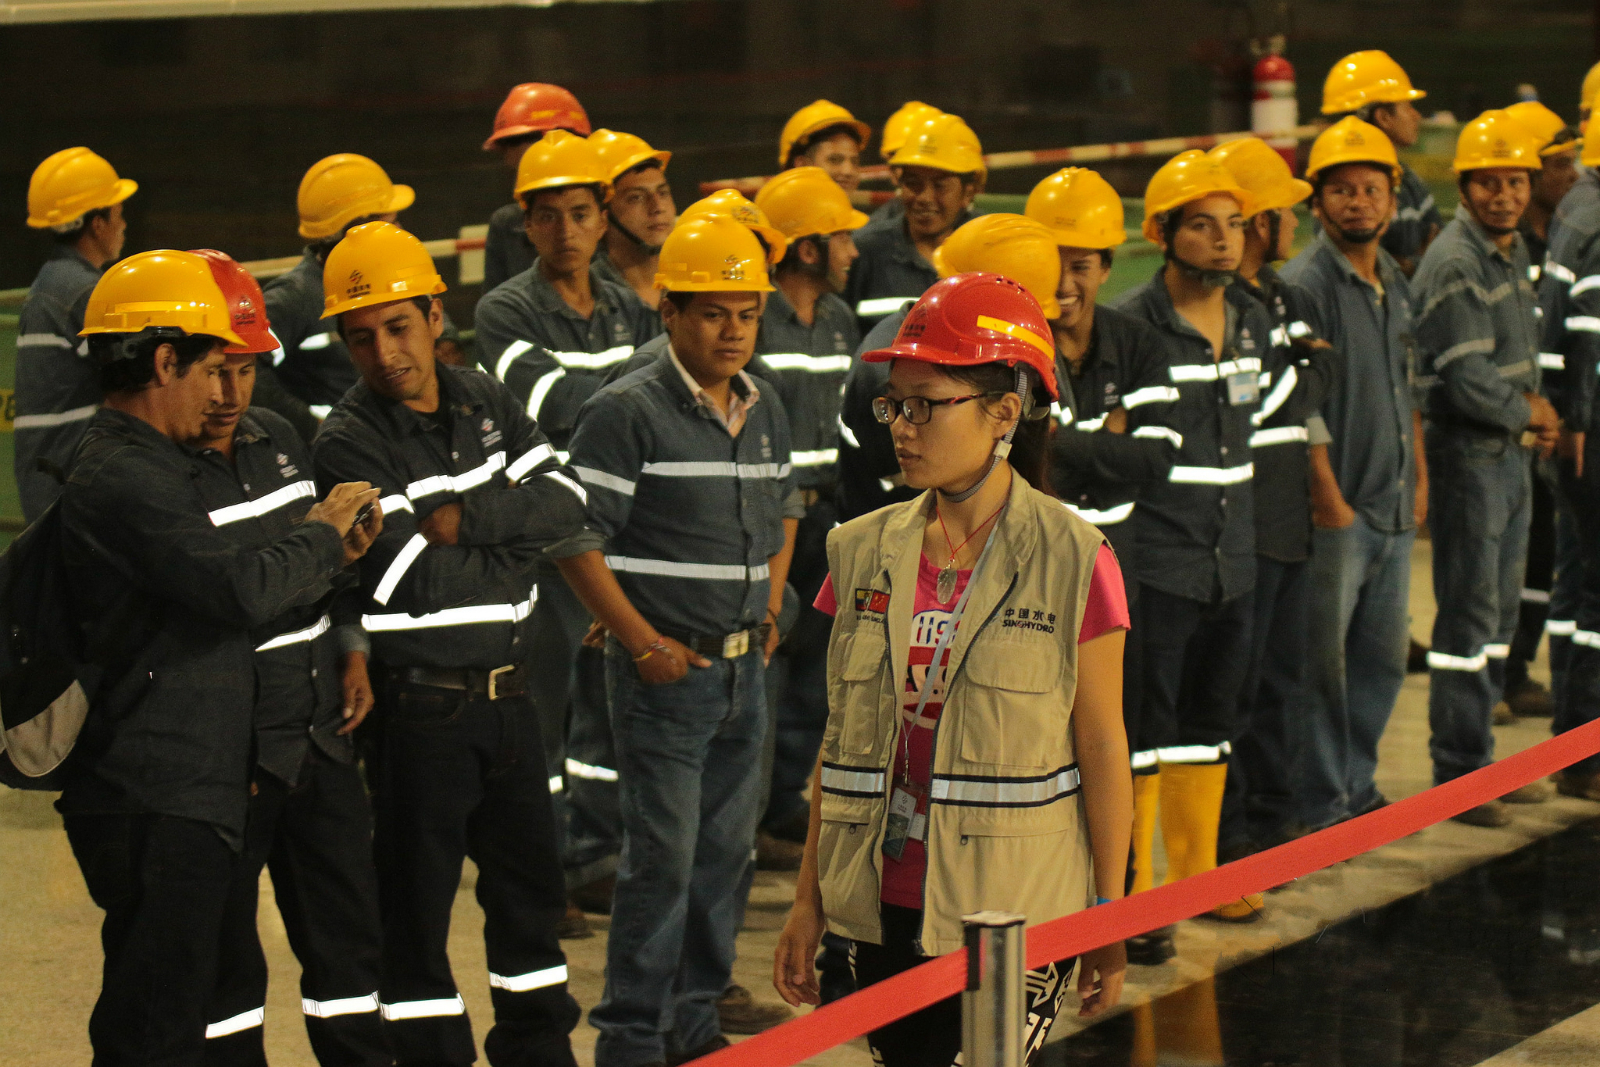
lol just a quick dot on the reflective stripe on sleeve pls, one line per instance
(1497, 651)
(310, 633)
(1441, 661)
(1586, 638)
(1552, 361)
(457, 483)
(665, 568)
(396, 502)
(1536, 596)
(1090, 425)
(1211, 372)
(1274, 400)
(398, 566)
(1279, 435)
(1556, 270)
(562, 479)
(316, 341)
(1560, 627)
(1478, 346)
(423, 1009)
(469, 616)
(589, 771)
(54, 418)
(1582, 323)
(1108, 517)
(592, 360)
(1163, 433)
(883, 305)
(557, 785)
(530, 459)
(809, 364)
(328, 1009)
(1584, 284)
(320, 411)
(1150, 394)
(44, 340)
(541, 389)
(852, 781)
(522, 983)
(1212, 475)
(1194, 753)
(820, 457)
(605, 481)
(717, 470)
(509, 356)
(973, 791)
(847, 435)
(246, 1020)
(254, 509)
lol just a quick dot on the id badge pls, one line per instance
(902, 821)
(1244, 388)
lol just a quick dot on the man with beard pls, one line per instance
(939, 171)
(1368, 484)
(530, 111)
(1196, 529)
(639, 214)
(1478, 335)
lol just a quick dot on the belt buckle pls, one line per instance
(494, 679)
(736, 645)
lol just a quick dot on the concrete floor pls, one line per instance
(49, 927)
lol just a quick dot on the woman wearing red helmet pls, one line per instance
(1014, 793)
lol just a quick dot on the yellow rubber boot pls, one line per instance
(1146, 801)
(1191, 808)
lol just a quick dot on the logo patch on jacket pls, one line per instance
(1029, 619)
(491, 436)
(872, 600)
(285, 468)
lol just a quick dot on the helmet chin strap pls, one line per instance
(1215, 279)
(654, 250)
(1002, 448)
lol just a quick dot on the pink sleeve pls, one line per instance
(1107, 608)
(828, 604)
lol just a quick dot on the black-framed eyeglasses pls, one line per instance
(917, 409)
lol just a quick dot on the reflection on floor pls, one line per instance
(1447, 977)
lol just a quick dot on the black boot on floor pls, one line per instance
(1530, 699)
(1152, 949)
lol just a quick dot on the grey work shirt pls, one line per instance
(1369, 411)
(1571, 320)
(608, 271)
(687, 514)
(1477, 332)
(551, 357)
(313, 363)
(808, 364)
(869, 475)
(507, 252)
(58, 386)
(889, 273)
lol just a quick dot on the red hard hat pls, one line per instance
(537, 107)
(968, 320)
(246, 307)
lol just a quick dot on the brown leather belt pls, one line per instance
(498, 684)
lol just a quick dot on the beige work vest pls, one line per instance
(1006, 829)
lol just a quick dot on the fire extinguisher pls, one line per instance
(1273, 109)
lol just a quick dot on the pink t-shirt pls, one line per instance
(1106, 610)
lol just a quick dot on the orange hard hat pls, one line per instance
(537, 107)
(245, 303)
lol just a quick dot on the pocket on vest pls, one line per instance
(1011, 708)
(858, 691)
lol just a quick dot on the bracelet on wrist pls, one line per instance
(1098, 900)
(657, 645)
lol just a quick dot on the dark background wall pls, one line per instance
(218, 118)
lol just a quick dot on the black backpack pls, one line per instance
(45, 681)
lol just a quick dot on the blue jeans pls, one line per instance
(1479, 502)
(1579, 699)
(689, 758)
(1356, 633)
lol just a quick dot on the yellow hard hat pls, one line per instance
(1363, 78)
(1591, 86)
(732, 204)
(802, 201)
(1185, 178)
(1079, 207)
(943, 142)
(340, 189)
(559, 159)
(712, 253)
(1545, 125)
(377, 263)
(1259, 168)
(1014, 246)
(1352, 141)
(69, 185)
(164, 288)
(1496, 139)
(621, 152)
(814, 118)
(900, 123)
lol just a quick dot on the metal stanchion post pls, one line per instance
(992, 1006)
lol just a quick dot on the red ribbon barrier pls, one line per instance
(1073, 935)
